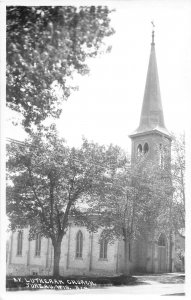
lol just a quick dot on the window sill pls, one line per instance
(79, 258)
(19, 255)
(103, 259)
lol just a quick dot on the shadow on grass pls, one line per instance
(176, 294)
(163, 278)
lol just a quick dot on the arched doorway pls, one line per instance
(162, 253)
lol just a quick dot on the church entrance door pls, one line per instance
(162, 261)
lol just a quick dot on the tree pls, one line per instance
(45, 45)
(178, 180)
(49, 183)
(178, 204)
(131, 204)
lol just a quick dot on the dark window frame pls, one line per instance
(19, 243)
(139, 150)
(38, 244)
(146, 148)
(103, 249)
(79, 244)
(162, 240)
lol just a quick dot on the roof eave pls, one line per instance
(152, 131)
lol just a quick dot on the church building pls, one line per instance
(81, 252)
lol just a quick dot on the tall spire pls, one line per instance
(152, 112)
(153, 33)
(153, 38)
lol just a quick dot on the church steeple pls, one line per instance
(153, 38)
(152, 112)
(151, 137)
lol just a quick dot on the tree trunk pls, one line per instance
(170, 251)
(57, 252)
(126, 256)
(170, 238)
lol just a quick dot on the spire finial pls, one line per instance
(153, 33)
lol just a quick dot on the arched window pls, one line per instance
(139, 150)
(103, 249)
(38, 244)
(162, 240)
(19, 243)
(146, 148)
(79, 244)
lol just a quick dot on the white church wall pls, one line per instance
(144, 256)
(78, 264)
(121, 257)
(28, 263)
(20, 259)
(39, 260)
(141, 247)
(109, 264)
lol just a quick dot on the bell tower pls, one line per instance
(151, 138)
(152, 141)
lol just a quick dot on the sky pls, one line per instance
(107, 107)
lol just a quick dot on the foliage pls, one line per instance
(140, 198)
(134, 202)
(180, 254)
(178, 180)
(180, 257)
(49, 183)
(45, 45)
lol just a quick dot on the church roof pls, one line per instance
(152, 118)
